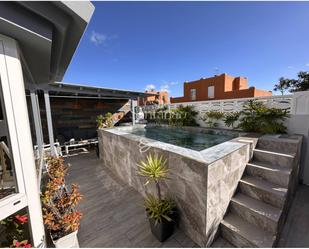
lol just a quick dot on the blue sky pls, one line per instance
(130, 45)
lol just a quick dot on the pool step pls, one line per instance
(268, 172)
(244, 234)
(285, 145)
(256, 212)
(262, 190)
(273, 158)
(255, 215)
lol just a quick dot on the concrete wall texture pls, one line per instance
(201, 184)
(225, 87)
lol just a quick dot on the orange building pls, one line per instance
(160, 97)
(219, 87)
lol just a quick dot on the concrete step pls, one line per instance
(243, 234)
(286, 145)
(221, 243)
(256, 212)
(273, 158)
(267, 192)
(269, 172)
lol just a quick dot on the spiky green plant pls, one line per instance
(159, 209)
(153, 169)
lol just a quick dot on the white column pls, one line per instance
(18, 123)
(38, 134)
(133, 104)
(37, 120)
(49, 124)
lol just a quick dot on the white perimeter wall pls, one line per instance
(298, 123)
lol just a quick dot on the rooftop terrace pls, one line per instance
(114, 215)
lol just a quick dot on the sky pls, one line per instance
(139, 45)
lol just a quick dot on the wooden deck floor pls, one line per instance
(113, 212)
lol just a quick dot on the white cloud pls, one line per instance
(165, 88)
(150, 87)
(173, 83)
(98, 38)
(290, 67)
(307, 65)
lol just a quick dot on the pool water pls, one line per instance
(183, 138)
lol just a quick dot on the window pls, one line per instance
(193, 94)
(211, 92)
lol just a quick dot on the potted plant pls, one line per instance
(105, 121)
(15, 231)
(160, 211)
(59, 206)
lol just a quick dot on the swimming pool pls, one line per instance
(203, 180)
(184, 138)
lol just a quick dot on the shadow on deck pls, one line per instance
(114, 215)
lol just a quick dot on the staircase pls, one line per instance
(121, 113)
(257, 211)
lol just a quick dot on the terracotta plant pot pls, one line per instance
(68, 241)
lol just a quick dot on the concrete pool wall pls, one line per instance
(202, 182)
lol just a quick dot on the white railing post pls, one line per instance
(37, 120)
(50, 124)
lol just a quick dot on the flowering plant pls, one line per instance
(59, 204)
(15, 227)
(20, 244)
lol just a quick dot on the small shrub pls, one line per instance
(231, 118)
(183, 116)
(256, 117)
(105, 121)
(100, 121)
(211, 118)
